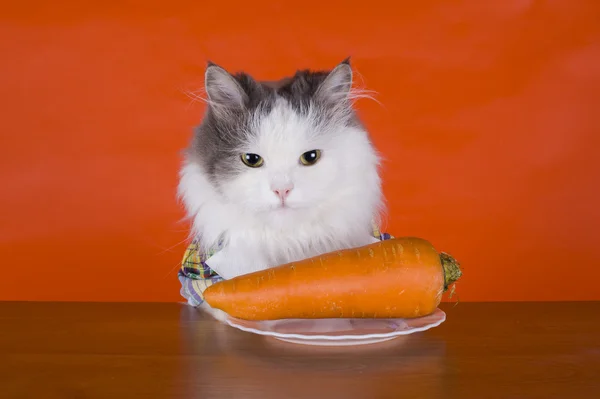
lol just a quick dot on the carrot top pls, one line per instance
(451, 268)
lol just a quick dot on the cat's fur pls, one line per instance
(331, 204)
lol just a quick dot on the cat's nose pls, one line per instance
(283, 192)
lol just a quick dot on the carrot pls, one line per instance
(401, 277)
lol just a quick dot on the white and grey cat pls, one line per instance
(279, 171)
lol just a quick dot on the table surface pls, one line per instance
(114, 350)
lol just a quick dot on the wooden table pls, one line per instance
(92, 350)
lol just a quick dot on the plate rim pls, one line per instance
(343, 337)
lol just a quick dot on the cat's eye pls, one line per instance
(310, 157)
(252, 160)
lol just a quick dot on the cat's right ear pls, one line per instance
(223, 91)
(337, 85)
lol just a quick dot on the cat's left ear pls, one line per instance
(337, 85)
(223, 90)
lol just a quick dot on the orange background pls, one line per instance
(489, 122)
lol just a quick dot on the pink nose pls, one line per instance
(282, 193)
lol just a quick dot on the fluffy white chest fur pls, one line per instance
(279, 174)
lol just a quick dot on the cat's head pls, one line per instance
(291, 151)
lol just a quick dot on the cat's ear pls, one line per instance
(223, 90)
(337, 85)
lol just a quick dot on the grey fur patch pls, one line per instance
(216, 140)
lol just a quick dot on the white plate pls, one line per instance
(339, 332)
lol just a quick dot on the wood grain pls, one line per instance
(114, 350)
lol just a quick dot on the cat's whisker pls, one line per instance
(357, 94)
(195, 96)
(169, 249)
(174, 268)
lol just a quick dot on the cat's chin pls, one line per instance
(282, 209)
(281, 216)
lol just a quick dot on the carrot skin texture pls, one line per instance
(397, 278)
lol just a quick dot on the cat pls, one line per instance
(279, 171)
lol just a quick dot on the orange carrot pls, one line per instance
(401, 277)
